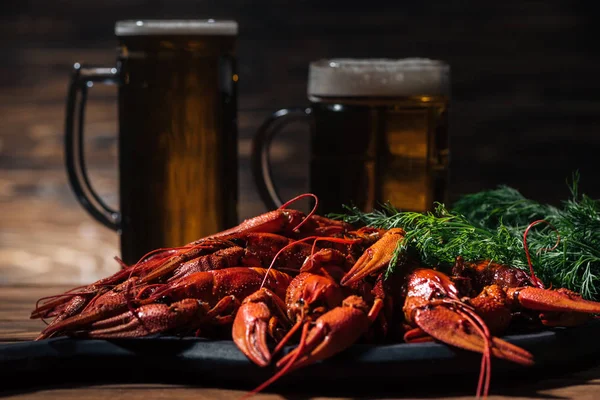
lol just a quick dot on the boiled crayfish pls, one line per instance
(285, 278)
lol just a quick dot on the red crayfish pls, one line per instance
(285, 278)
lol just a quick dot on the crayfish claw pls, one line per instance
(561, 307)
(332, 332)
(250, 332)
(375, 258)
(261, 314)
(450, 327)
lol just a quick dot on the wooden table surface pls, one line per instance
(16, 303)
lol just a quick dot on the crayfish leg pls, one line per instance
(417, 335)
(216, 314)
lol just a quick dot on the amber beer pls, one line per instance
(380, 133)
(177, 132)
(178, 149)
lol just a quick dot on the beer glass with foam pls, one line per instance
(379, 134)
(177, 104)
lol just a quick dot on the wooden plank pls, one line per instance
(577, 386)
(139, 391)
(16, 304)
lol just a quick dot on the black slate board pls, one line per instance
(221, 364)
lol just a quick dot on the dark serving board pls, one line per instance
(220, 363)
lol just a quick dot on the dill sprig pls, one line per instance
(489, 225)
(386, 218)
(503, 205)
(438, 237)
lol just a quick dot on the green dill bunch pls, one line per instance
(490, 225)
(502, 206)
(575, 262)
(437, 238)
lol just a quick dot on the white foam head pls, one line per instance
(378, 77)
(176, 27)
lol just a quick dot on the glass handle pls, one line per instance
(82, 78)
(261, 163)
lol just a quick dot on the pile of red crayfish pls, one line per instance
(286, 278)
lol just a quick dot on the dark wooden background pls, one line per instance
(525, 102)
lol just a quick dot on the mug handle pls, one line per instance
(82, 78)
(261, 160)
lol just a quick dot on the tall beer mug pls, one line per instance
(177, 105)
(379, 133)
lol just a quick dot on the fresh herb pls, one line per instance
(503, 205)
(575, 264)
(489, 225)
(438, 237)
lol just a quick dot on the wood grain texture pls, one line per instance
(16, 304)
(524, 111)
(579, 386)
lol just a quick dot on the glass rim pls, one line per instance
(208, 27)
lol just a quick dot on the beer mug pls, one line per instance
(177, 139)
(379, 134)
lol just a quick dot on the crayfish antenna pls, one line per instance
(433, 305)
(436, 321)
(306, 239)
(287, 337)
(535, 281)
(314, 209)
(286, 368)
